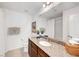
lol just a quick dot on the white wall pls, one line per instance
(2, 37)
(16, 19)
(50, 28)
(71, 23)
(10, 18)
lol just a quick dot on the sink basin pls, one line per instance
(44, 43)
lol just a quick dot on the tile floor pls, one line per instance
(17, 53)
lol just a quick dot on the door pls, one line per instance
(58, 28)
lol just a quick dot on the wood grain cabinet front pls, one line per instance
(35, 51)
(29, 47)
(41, 53)
(32, 49)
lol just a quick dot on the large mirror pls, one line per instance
(74, 25)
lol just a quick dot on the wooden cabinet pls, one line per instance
(29, 47)
(41, 53)
(35, 51)
(32, 49)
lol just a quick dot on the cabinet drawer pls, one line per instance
(41, 53)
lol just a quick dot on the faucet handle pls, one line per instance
(69, 36)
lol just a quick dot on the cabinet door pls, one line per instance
(29, 47)
(32, 49)
(41, 53)
(33, 52)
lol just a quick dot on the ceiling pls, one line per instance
(33, 8)
(58, 9)
(30, 7)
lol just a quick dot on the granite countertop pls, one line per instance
(55, 50)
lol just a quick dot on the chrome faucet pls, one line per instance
(69, 36)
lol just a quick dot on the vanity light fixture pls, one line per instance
(48, 3)
(44, 5)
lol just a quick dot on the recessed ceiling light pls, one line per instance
(48, 2)
(44, 5)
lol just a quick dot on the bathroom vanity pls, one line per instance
(35, 49)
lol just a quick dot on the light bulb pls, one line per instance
(48, 2)
(44, 5)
